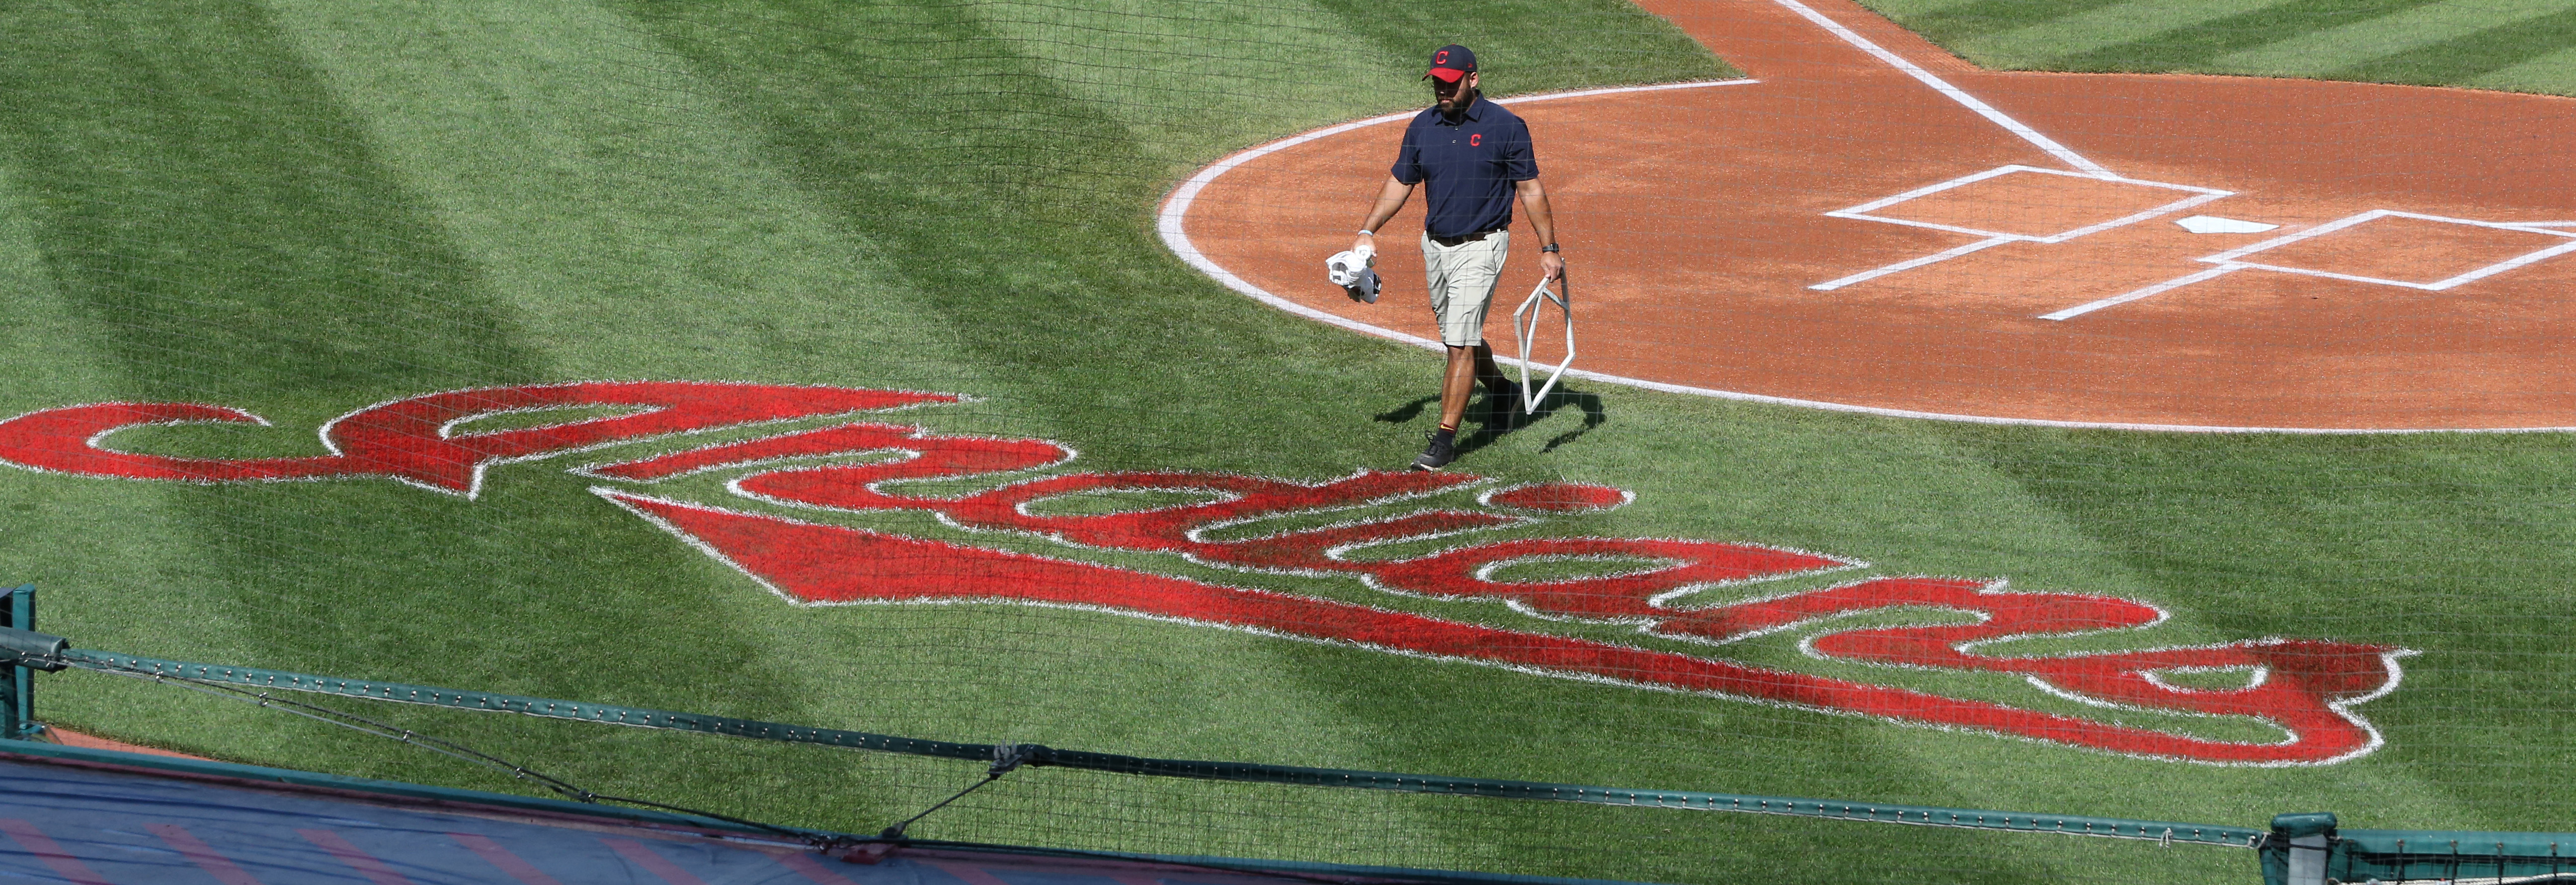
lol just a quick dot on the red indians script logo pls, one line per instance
(2302, 689)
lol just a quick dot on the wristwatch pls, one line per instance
(1551, 247)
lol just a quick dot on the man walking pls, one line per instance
(1475, 158)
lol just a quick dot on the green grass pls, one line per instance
(2521, 45)
(299, 207)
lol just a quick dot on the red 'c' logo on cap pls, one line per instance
(1476, 140)
(1440, 58)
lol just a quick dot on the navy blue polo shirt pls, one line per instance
(1471, 166)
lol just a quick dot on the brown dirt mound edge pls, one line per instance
(69, 738)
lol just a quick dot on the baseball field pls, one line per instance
(336, 335)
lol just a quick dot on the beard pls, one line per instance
(1452, 104)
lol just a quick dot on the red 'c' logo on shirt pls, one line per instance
(1476, 140)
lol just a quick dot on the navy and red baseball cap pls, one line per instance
(1451, 63)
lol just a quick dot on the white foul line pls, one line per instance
(1912, 263)
(2157, 289)
(1971, 102)
(2189, 202)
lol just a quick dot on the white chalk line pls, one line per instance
(2017, 128)
(2231, 255)
(1971, 102)
(2157, 289)
(1863, 210)
(2200, 195)
(2230, 260)
(2142, 215)
(2507, 264)
(1995, 238)
(1912, 263)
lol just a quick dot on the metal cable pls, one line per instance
(452, 749)
(2167, 832)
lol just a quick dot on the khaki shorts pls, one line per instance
(1462, 279)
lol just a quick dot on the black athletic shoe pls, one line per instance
(1437, 455)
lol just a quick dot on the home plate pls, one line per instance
(2212, 224)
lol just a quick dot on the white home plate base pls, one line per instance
(2212, 224)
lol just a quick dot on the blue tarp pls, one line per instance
(103, 818)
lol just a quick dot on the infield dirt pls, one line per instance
(1695, 225)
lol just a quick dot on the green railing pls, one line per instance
(2298, 849)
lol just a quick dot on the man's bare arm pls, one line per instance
(1390, 199)
(1534, 201)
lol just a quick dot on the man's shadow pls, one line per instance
(1491, 427)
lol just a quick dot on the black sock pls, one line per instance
(1446, 433)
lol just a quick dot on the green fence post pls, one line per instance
(2296, 851)
(18, 709)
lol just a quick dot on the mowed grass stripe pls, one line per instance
(109, 583)
(943, 148)
(223, 219)
(1018, 210)
(45, 347)
(1950, 22)
(614, 204)
(2194, 47)
(2506, 44)
(2411, 542)
(2335, 48)
(1618, 45)
(218, 222)
(1151, 74)
(2090, 29)
(634, 226)
(2469, 57)
(2553, 72)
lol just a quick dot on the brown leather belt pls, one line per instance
(1454, 242)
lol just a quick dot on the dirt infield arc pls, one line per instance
(1870, 224)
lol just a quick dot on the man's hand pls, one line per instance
(1552, 264)
(1364, 243)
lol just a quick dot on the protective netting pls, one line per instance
(1041, 778)
(968, 371)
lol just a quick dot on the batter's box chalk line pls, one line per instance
(1862, 212)
(2232, 261)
